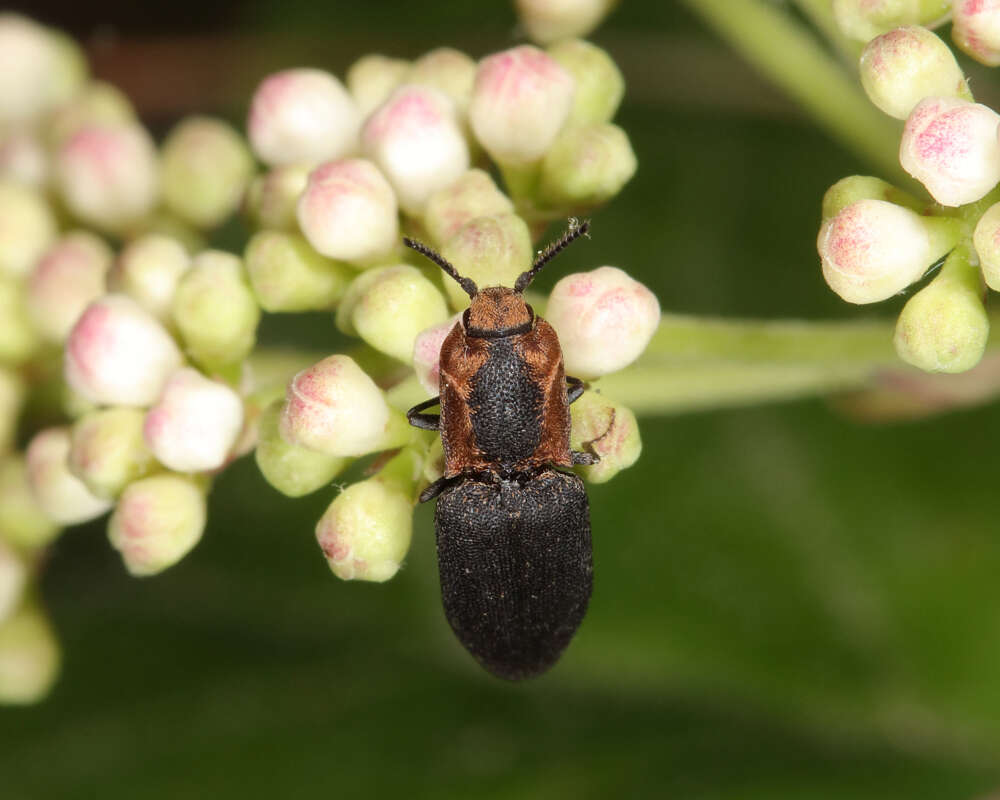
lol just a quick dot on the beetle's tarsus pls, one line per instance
(427, 422)
(434, 489)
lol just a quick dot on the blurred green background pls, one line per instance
(787, 604)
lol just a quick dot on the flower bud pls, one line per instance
(288, 275)
(23, 160)
(61, 495)
(292, 470)
(29, 657)
(873, 249)
(599, 83)
(302, 115)
(372, 78)
(472, 195)
(273, 196)
(427, 353)
(119, 354)
(865, 187)
(18, 337)
(195, 423)
(348, 212)
(97, 103)
(586, 166)
(604, 320)
(448, 70)
(148, 270)
(550, 20)
(335, 408)
(520, 100)
(215, 311)
(492, 251)
(944, 327)
(607, 429)
(107, 174)
(866, 19)
(27, 227)
(986, 239)
(23, 522)
(951, 147)
(205, 168)
(902, 67)
(13, 579)
(68, 277)
(157, 522)
(392, 307)
(107, 450)
(12, 392)
(976, 29)
(365, 533)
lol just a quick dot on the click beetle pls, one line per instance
(513, 526)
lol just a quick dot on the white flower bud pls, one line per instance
(29, 657)
(108, 174)
(13, 579)
(157, 522)
(550, 20)
(902, 67)
(67, 278)
(866, 19)
(97, 103)
(23, 522)
(372, 78)
(292, 470)
(427, 353)
(23, 159)
(302, 115)
(148, 269)
(986, 240)
(604, 320)
(288, 275)
(473, 195)
(107, 450)
(195, 423)
(520, 100)
(951, 147)
(492, 251)
(586, 166)
(27, 228)
(976, 29)
(607, 429)
(272, 197)
(18, 338)
(600, 85)
(447, 70)
(62, 496)
(348, 211)
(119, 354)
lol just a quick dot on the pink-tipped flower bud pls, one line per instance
(61, 495)
(472, 195)
(608, 430)
(550, 20)
(902, 67)
(27, 228)
(986, 239)
(335, 408)
(293, 470)
(13, 579)
(415, 139)
(865, 19)
(600, 85)
(119, 354)
(427, 353)
(873, 249)
(205, 169)
(448, 70)
(288, 275)
(108, 175)
(865, 187)
(23, 522)
(157, 522)
(372, 78)
(976, 29)
(29, 656)
(520, 101)
(148, 270)
(348, 211)
(23, 159)
(492, 251)
(97, 103)
(302, 115)
(604, 320)
(67, 278)
(108, 451)
(273, 196)
(195, 423)
(951, 147)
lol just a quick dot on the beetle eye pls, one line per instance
(465, 319)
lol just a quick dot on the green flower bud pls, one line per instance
(12, 391)
(13, 579)
(204, 169)
(599, 83)
(27, 228)
(18, 337)
(550, 20)
(986, 240)
(608, 429)
(61, 495)
(23, 523)
(148, 270)
(864, 187)
(157, 522)
(473, 195)
(273, 197)
(586, 166)
(365, 533)
(98, 103)
(215, 311)
(448, 70)
(492, 251)
(107, 450)
(288, 275)
(372, 78)
(292, 470)
(29, 657)
(865, 19)
(944, 327)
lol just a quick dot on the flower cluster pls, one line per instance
(116, 306)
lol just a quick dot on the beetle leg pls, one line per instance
(434, 489)
(574, 389)
(429, 422)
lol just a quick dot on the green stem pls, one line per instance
(820, 13)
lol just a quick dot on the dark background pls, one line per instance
(787, 604)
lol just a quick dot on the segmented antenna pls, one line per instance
(573, 232)
(467, 284)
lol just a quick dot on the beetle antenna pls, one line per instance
(467, 284)
(573, 232)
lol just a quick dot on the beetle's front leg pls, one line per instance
(427, 422)
(574, 388)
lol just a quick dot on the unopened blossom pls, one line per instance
(19, 339)
(551, 20)
(23, 159)
(865, 187)
(27, 227)
(12, 393)
(29, 656)
(600, 85)
(293, 470)
(348, 211)
(302, 115)
(13, 579)
(23, 522)
(205, 169)
(288, 275)
(157, 522)
(521, 99)
(148, 270)
(61, 495)
(373, 77)
(866, 19)
(586, 166)
(951, 147)
(108, 451)
(902, 67)
(272, 197)
(107, 174)
(473, 195)
(604, 320)
(986, 239)
(97, 103)
(607, 429)
(427, 353)
(415, 139)
(65, 280)
(873, 249)
(492, 251)
(448, 70)
(119, 354)
(976, 29)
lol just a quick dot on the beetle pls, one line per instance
(512, 523)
